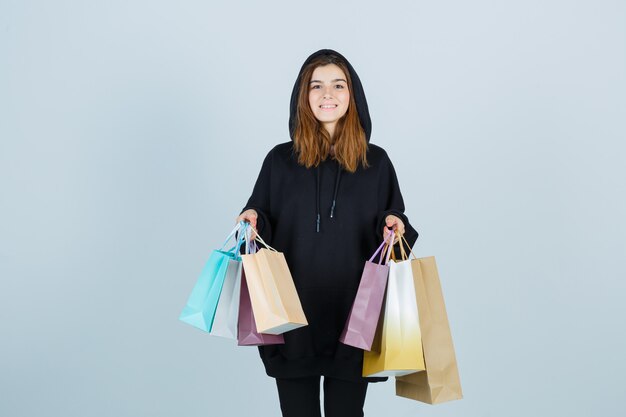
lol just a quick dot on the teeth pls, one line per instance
(329, 106)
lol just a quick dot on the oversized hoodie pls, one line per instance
(327, 222)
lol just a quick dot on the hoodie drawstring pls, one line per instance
(317, 197)
(332, 209)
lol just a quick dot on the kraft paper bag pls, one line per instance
(202, 302)
(275, 301)
(440, 382)
(247, 332)
(362, 321)
(400, 348)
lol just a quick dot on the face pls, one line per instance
(329, 95)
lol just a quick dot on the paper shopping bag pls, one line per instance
(400, 346)
(248, 334)
(275, 302)
(202, 302)
(363, 318)
(440, 382)
(227, 310)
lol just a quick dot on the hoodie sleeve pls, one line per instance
(260, 200)
(390, 201)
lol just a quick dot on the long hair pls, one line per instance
(312, 141)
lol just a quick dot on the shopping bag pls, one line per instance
(440, 382)
(363, 318)
(399, 351)
(227, 311)
(202, 302)
(275, 302)
(247, 333)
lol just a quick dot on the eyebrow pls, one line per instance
(332, 81)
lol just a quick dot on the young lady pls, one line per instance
(325, 199)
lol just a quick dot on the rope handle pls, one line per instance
(240, 239)
(232, 233)
(251, 246)
(384, 244)
(409, 246)
(389, 247)
(258, 237)
(403, 252)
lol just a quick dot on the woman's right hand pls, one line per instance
(249, 216)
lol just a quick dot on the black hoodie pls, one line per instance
(327, 222)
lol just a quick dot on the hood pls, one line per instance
(357, 91)
(362, 110)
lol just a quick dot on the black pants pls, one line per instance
(300, 397)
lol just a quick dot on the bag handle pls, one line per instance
(258, 237)
(240, 240)
(404, 255)
(391, 252)
(232, 233)
(402, 250)
(385, 244)
(251, 246)
(389, 247)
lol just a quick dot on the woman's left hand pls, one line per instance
(396, 224)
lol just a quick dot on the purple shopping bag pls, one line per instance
(365, 312)
(247, 334)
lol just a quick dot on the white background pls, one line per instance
(131, 133)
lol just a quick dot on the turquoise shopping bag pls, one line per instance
(203, 300)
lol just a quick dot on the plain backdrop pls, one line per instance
(131, 134)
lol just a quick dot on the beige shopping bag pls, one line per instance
(397, 348)
(440, 382)
(275, 302)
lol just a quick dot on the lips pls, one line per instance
(328, 107)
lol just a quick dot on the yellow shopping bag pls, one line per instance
(397, 349)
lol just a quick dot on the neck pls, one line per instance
(330, 128)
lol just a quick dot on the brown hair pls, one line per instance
(312, 141)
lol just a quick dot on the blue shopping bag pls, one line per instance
(203, 300)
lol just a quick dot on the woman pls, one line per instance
(325, 199)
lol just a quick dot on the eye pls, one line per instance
(339, 86)
(314, 86)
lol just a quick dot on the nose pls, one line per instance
(327, 93)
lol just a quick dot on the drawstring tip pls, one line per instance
(318, 223)
(332, 210)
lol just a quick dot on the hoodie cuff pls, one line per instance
(383, 215)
